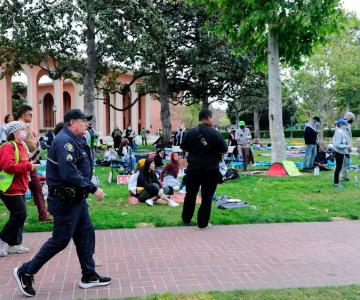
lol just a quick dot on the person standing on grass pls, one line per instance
(143, 134)
(14, 159)
(117, 137)
(311, 141)
(24, 114)
(349, 118)
(68, 175)
(342, 149)
(205, 146)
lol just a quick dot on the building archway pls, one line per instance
(48, 111)
(67, 102)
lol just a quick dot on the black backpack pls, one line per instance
(231, 174)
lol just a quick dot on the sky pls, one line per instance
(349, 5)
(352, 5)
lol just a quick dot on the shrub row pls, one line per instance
(264, 134)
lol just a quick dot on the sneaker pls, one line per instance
(18, 249)
(338, 186)
(94, 280)
(47, 219)
(208, 226)
(149, 202)
(172, 203)
(24, 282)
(3, 248)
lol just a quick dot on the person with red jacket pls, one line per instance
(14, 196)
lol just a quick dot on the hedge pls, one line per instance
(264, 134)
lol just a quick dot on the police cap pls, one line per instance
(76, 114)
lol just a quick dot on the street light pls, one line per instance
(54, 111)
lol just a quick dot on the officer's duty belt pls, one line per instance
(68, 193)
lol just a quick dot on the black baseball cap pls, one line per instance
(76, 114)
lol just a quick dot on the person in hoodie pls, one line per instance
(349, 118)
(342, 149)
(14, 159)
(311, 140)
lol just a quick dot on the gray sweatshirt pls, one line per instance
(340, 141)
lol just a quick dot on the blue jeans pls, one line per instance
(310, 155)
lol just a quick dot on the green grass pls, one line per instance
(324, 293)
(286, 199)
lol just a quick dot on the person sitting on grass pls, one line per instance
(170, 172)
(149, 188)
(134, 177)
(125, 151)
(321, 158)
(342, 148)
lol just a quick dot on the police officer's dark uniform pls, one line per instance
(68, 176)
(205, 146)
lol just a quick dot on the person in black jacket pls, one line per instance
(149, 188)
(205, 146)
(311, 141)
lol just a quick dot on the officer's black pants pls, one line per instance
(12, 232)
(208, 182)
(72, 222)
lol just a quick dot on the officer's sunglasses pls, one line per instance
(83, 120)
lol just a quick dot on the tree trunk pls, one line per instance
(347, 107)
(256, 123)
(275, 102)
(237, 120)
(320, 114)
(205, 103)
(164, 101)
(90, 72)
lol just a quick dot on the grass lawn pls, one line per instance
(324, 293)
(287, 199)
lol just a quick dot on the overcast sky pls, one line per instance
(352, 5)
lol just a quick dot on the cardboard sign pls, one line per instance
(291, 168)
(122, 179)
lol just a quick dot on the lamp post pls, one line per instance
(54, 111)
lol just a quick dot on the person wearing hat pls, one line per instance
(134, 177)
(68, 176)
(243, 138)
(311, 141)
(349, 118)
(341, 147)
(14, 160)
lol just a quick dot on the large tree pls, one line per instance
(67, 38)
(277, 31)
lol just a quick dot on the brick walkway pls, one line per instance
(184, 259)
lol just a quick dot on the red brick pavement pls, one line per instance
(184, 259)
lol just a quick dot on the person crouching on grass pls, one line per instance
(14, 159)
(149, 188)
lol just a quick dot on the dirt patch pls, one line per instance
(339, 219)
(145, 225)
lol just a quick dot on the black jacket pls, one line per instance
(310, 136)
(203, 157)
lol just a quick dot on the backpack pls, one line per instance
(231, 174)
(6, 179)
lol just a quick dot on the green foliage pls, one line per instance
(299, 27)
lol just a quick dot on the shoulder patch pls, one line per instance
(69, 147)
(69, 157)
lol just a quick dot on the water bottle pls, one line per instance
(356, 181)
(316, 171)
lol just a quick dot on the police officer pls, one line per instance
(68, 175)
